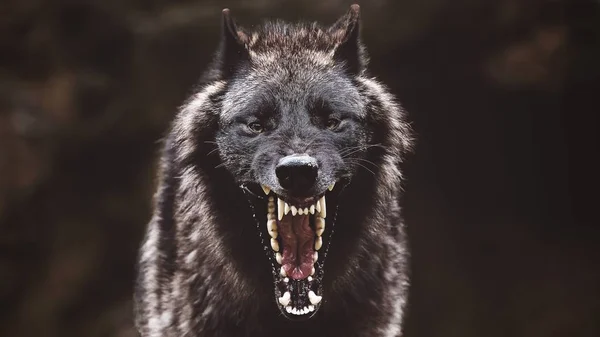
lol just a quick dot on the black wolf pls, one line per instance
(277, 211)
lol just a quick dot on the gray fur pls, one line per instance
(202, 268)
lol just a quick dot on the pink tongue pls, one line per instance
(298, 245)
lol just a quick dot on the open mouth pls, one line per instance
(296, 232)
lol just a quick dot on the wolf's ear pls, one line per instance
(350, 49)
(232, 49)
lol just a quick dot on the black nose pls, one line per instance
(297, 173)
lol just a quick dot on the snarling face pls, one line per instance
(293, 132)
(296, 140)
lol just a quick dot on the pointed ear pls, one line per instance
(350, 49)
(232, 49)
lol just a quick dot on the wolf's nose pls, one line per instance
(297, 173)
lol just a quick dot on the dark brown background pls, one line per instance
(500, 200)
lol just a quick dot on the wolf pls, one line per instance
(277, 210)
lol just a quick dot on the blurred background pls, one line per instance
(501, 191)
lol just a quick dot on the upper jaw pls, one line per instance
(298, 201)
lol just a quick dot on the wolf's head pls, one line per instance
(298, 121)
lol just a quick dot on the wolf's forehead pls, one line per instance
(290, 87)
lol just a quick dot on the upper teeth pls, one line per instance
(323, 209)
(330, 188)
(280, 206)
(274, 245)
(283, 208)
(266, 189)
(272, 228)
(319, 226)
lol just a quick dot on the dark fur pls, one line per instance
(203, 269)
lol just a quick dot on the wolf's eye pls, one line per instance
(332, 123)
(256, 127)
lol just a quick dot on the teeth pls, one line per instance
(272, 228)
(305, 311)
(285, 299)
(265, 189)
(312, 272)
(319, 226)
(311, 308)
(282, 272)
(330, 188)
(274, 245)
(318, 243)
(280, 206)
(305, 210)
(286, 209)
(314, 298)
(278, 257)
(312, 209)
(300, 211)
(310, 279)
(270, 216)
(294, 210)
(323, 208)
(318, 206)
(288, 309)
(295, 311)
(315, 257)
(286, 280)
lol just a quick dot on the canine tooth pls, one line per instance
(311, 308)
(282, 272)
(319, 226)
(318, 243)
(286, 280)
(280, 205)
(278, 257)
(315, 257)
(314, 298)
(312, 271)
(310, 279)
(285, 299)
(265, 189)
(312, 209)
(274, 245)
(272, 228)
(330, 188)
(294, 210)
(286, 209)
(300, 211)
(323, 207)
(318, 206)
(288, 309)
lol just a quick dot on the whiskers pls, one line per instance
(366, 164)
(348, 151)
